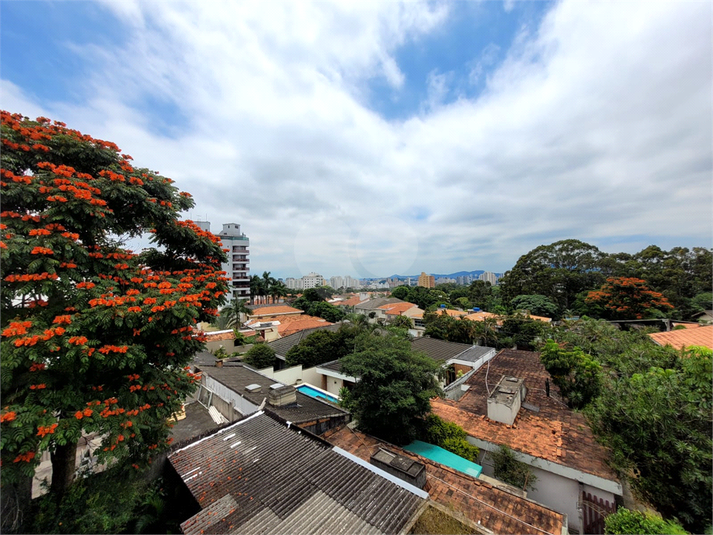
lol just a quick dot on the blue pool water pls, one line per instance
(306, 389)
(429, 451)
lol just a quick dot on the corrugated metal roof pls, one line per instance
(257, 476)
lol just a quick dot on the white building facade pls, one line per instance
(238, 265)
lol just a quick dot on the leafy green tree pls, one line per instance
(577, 374)
(482, 295)
(401, 292)
(558, 271)
(513, 472)
(95, 337)
(628, 298)
(626, 522)
(702, 301)
(260, 356)
(235, 312)
(321, 346)
(394, 388)
(539, 305)
(524, 332)
(658, 424)
(326, 311)
(402, 322)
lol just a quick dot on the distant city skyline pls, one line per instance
(368, 139)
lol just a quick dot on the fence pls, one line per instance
(594, 511)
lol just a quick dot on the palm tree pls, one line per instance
(277, 290)
(234, 312)
(267, 283)
(255, 288)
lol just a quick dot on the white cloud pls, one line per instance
(596, 126)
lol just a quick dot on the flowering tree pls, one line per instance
(627, 298)
(95, 337)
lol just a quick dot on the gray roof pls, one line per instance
(439, 350)
(196, 423)
(372, 304)
(442, 350)
(237, 377)
(257, 476)
(283, 345)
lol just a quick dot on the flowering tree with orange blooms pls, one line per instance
(95, 337)
(628, 298)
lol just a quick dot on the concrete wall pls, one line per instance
(334, 385)
(311, 377)
(287, 376)
(228, 345)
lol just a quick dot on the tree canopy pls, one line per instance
(95, 337)
(628, 298)
(394, 388)
(260, 356)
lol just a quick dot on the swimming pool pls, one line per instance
(315, 393)
(444, 457)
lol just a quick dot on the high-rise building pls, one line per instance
(427, 281)
(490, 277)
(238, 265)
(312, 280)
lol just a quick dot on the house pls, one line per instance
(272, 312)
(455, 357)
(510, 402)
(263, 475)
(370, 307)
(237, 391)
(284, 344)
(495, 506)
(705, 317)
(682, 338)
(276, 321)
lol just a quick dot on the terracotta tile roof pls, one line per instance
(258, 476)
(219, 336)
(702, 336)
(352, 301)
(396, 309)
(292, 324)
(480, 316)
(495, 509)
(555, 433)
(371, 304)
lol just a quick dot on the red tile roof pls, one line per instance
(396, 309)
(555, 433)
(497, 510)
(352, 301)
(701, 336)
(220, 336)
(292, 324)
(480, 316)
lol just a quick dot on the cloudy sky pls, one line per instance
(378, 138)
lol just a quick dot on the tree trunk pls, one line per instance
(15, 501)
(63, 467)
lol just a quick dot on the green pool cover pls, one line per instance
(429, 451)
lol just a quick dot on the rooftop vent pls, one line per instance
(402, 467)
(281, 395)
(253, 388)
(505, 400)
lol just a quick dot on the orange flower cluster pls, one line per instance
(38, 387)
(39, 232)
(46, 430)
(32, 277)
(87, 285)
(27, 457)
(78, 340)
(8, 417)
(86, 413)
(42, 250)
(66, 320)
(69, 265)
(37, 367)
(105, 350)
(17, 328)
(133, 377)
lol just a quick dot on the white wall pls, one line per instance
(236, 400)
(311, 377)
(287, 376)
(334, 385)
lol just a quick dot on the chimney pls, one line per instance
(281, 395)
(505, 400)
(218, 363)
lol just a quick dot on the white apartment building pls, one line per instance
(238, 265)
(312, 280)
(347, 281)
(490, 277)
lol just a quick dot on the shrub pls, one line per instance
(449, 436)
(508, 469)
(625, 521)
